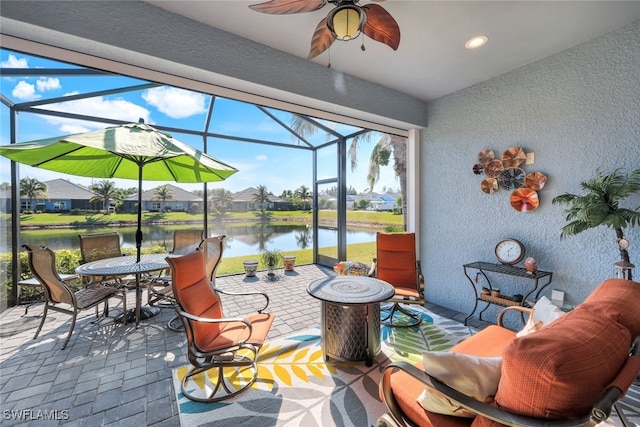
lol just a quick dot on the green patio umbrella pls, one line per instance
(129, 151)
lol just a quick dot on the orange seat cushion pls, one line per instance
(260, 324)
(618, 300)
(489, 342)
(233, 332)
(561, 370)
(406, 390)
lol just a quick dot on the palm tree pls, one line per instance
(33, 189)
(303, 194)
(105, 191)
(122, 194)
(262, 198)
(163, 193)
(382, 151)
(221, 199)
(386, 146)
(600, 206)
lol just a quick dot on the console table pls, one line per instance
(538, 281)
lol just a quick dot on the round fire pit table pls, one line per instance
(350, 316)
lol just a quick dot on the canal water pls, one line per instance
(242, 239)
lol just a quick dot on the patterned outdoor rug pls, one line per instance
(295, 387)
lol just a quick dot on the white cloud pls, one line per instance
(262, 157)
(51, 83)
(25, 91)
(118, 109)
(175, 103)
(14, 62)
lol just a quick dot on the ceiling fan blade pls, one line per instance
(321, 40)
(284, 7)
(381, 26)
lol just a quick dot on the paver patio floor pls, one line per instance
(120, 375)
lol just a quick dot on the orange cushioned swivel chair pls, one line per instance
(159, 288)
(396, 263)
(571, 372)
(227, 346)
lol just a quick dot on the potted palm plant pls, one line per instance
(271, 259)
(601, 206)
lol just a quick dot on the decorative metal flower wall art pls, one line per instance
(507, 173)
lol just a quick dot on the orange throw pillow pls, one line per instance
(561, 370)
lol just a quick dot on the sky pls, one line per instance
(258, 164)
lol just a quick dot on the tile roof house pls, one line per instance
(62, 196)
(384, 202)
(243, 201)
(182, 201)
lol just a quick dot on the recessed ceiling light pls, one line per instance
(476, 42)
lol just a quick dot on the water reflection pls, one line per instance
(242, 238)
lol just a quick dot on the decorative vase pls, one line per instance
(289, 262)
(531, 265)
(250, 267)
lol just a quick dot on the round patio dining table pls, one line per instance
(124, 266)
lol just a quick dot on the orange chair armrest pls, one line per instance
(266, 297)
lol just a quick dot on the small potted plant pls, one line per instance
(271, 259)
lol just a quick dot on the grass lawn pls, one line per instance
(362, 252)
(353, 217)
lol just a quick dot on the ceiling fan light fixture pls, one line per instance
(346, 22)
(476, 42)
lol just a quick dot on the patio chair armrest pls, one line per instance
(521, 309)
(230, 293)
(420, 276)
(620, 385)
(475, 406)
(210, 320)
(372, 270)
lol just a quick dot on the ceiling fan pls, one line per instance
(345, 22)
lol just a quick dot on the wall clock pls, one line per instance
(509, 251)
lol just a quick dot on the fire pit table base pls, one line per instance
(350, 332)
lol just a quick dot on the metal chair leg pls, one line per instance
(44, 316)
(175, 324)
(388, 320)
(73, 325)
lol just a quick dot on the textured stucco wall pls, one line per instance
(577, 110)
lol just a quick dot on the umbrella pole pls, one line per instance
(139, 230)
(139, 244)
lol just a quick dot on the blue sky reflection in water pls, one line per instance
(279, 168)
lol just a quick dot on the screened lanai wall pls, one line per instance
(226, 124)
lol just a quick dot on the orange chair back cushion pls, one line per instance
(396, 259)
(618, 300)
(194, 294)
(563, 369)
